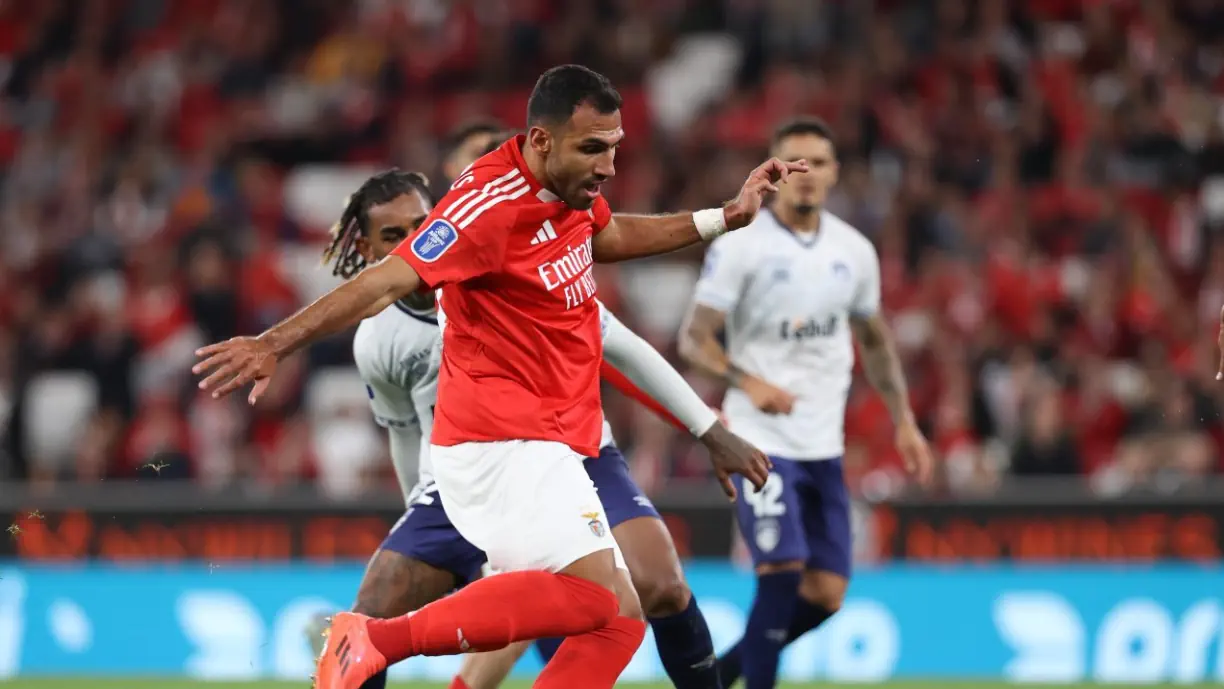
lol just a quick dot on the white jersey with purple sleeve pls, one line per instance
(394, 352)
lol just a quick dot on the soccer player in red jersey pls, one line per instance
(511, 247)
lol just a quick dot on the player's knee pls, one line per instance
(594, 605)
(664, 595)
(629, 604)
(823, 589)
(766, 568)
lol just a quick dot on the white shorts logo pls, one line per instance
(595, 523)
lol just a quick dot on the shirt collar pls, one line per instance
(514, 149)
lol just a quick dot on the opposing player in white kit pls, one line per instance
(787, 292)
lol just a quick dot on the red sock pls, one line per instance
(593, 660)
(458, 683)
(490, 613)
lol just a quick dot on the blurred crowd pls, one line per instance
(1044, 180)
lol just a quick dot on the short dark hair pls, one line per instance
(470, 129)
(560, 91)
(803, 126)
(354, 222)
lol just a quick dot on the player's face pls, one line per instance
(391, 223)
(807, 191)
(579, 156)
(467, 152)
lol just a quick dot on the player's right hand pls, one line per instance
(767, 397)
(238, 361)
(761, 181)
(731, 454)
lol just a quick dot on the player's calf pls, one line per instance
(823, 590)
(395, 585)
(680, 630)
(756, 654)
(820, 596)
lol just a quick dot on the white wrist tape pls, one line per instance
(710, 223)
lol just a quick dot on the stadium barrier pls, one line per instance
(1030, 521)
(1021, 623)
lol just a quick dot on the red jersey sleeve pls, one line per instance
(601, 213)
(452, 247)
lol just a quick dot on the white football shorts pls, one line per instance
(528, 504)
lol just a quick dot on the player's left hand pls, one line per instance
(731, 454)
(238, 361)
(763, 180)
(914, 450)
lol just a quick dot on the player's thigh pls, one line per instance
(825, 501)
(422, 559)
(771, 520)
(527, 505)
(395, 584)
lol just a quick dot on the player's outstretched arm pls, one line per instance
(634, 236)
(242, 360)
(883, 369)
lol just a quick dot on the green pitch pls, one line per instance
(87, 683)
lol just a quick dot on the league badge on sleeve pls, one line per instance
(434, 241)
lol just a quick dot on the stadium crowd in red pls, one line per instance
(1044, 180)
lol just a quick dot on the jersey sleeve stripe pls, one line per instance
(488, 188)
(486, 193)
(493, 202)
(459, 201)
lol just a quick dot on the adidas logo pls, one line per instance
(342, 652)
(545, 234)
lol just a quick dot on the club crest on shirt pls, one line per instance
(596, 525)
(841, 271)
(434, 241)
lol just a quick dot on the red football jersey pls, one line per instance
(521, 348)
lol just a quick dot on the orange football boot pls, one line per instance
(348, 659)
